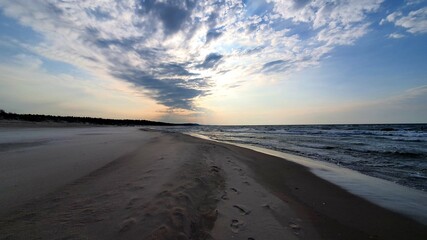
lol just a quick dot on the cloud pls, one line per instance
(99, 14)
(174, 69)
(298, 4)
(211, 61)
(414, 2)
(172, 14)
(333, 18)
(413, 93)
(320, 13)
(27, 61)
(170, 92)
(179, 51)
(396, 35)
(273, 63)
(274, 66)
(414, 22)
(213, 34)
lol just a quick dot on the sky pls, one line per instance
(217, 62)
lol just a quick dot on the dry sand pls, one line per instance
(173, 186)
(36, 161)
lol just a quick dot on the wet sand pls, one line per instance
(173, 186)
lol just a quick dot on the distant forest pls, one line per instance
(89, 120)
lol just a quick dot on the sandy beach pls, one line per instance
(128, 183)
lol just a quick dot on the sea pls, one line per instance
(393, 152)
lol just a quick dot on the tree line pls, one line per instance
(85, 120)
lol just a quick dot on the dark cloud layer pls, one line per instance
(170, 83)
(298, 4)
(169, 92)
(211, 61)
(274, 66)
(172, 14)
(174, 69)
(213, 34)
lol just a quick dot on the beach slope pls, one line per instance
(174, 186)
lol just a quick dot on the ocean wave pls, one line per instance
(391, 152)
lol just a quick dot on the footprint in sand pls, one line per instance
(165, 193)
(242, 209)
(136, 188)
(266, 205)
(236, 225)
(145, 178)
(131, 202)
(215, 169)
(235, 190)
(295, 227)
(127, 224)
(224, 196)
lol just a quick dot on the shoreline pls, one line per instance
(386, 194)
(175, 185)
(336, 213)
